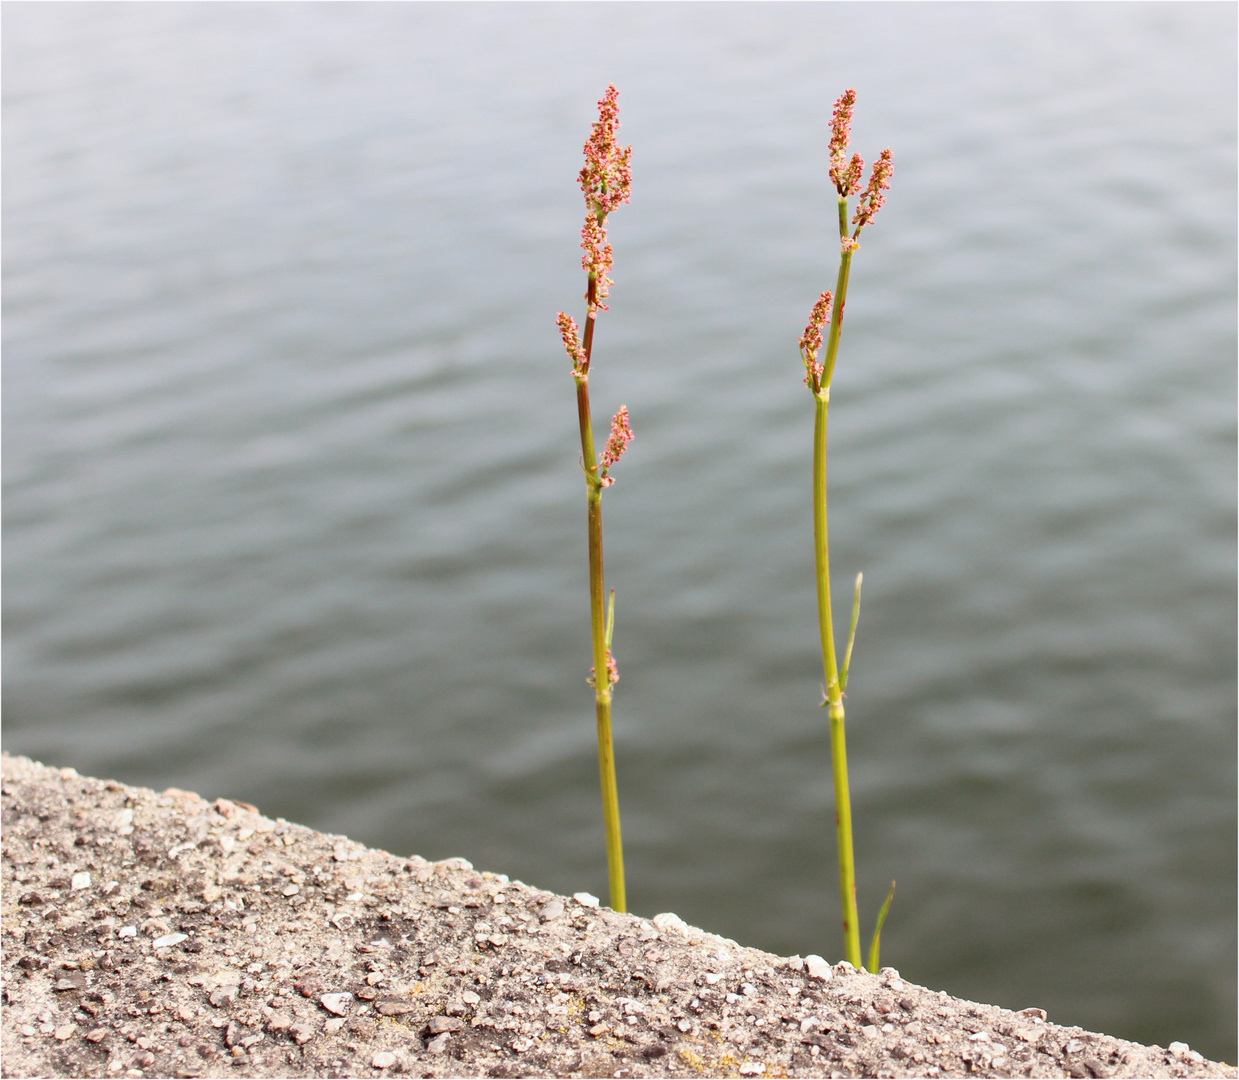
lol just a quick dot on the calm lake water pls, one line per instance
(293, 511)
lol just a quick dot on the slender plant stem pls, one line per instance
(834, 696)
(846, 178)
(841, 295)
(834, 689)
(598, 629)
(605, 181)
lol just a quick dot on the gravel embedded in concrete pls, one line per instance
(163, 935)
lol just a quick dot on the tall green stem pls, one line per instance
(841, 295)
(834, 689)
(834, 695)
(598, 631)
(845, 175)
(605, 181)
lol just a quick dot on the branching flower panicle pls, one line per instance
(621, 435)
(606, 178)
(811, 340)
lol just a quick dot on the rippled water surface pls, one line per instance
(293, 510)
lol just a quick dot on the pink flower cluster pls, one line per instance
(846, 174)
(879, 181)
(597, 261)
(572, 342)
(606, 180)
(811, 339)
(617, 443)
(846, 177)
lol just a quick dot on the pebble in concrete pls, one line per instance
(336, 1003)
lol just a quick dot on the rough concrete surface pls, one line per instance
(163, 935)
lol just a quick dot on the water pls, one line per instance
(293, 510)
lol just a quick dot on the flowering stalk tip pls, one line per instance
(841, 173)
(606, 178)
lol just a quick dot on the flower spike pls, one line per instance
(851, 178)
(606, 178)
(617, 443)
(879, 181)
(840, 135)
(597, 262)
(572, 342)
(811, 340)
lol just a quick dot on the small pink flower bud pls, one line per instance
(621, 436)
(848, 244)
(612, 671)
(572, 340)
(879, 181)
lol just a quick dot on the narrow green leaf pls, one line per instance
(847, 656)
(876, 944)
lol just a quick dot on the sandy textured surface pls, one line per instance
(163, 935)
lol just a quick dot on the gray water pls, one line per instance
(293, 511)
